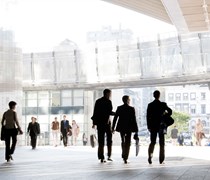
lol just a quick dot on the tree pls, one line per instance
(181, 121)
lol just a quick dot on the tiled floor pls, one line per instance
(81, 163)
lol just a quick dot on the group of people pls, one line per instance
(11, 128)
(59, 132)
(198, 135)
(125, 123)
(63, 130)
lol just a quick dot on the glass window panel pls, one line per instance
(44, 67)
(31, 103)
(27, 64)
(193, 109)
(65, 60)
(43, 95)
(43, 102)
(66, 101)
(178, 96)
(203, 96)
(78, 101)
(31, 95)
(55, 99)
(66, 93)
(192, 96)
(78, 93)
(185, 96)
(203, 109)
(178, 107)
(186, 108)
(170, 96)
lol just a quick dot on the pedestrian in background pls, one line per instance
(65, 130)
(55, 131)
(9, 122)
(75, 132)
(198, 132)
(174, 135)
(84, 139)
(33, 131)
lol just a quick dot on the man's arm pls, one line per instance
(28, 129)
(111, 108)
(95, 111)
(134, 119)
(148, 116)
(3, 119)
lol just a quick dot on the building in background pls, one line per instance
(193, 100)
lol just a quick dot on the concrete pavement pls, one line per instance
(81, 163)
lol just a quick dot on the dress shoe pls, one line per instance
(162, 162)
(103, 161)
(125, 161)
(109, 159)
(150, 160)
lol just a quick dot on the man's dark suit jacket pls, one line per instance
(33, 129)
(155, 112)
(127, 119)
(102, 111)
(63, 130)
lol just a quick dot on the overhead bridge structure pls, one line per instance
(162, 60)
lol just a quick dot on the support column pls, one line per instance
(203, 59)
(118, 61)
(181, 53)
(140, 58)
(76, 66)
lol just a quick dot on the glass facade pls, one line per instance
(45, 105)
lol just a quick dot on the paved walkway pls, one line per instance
(81, 163)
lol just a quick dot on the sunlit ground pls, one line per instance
(79, 162)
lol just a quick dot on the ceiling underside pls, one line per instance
(186, 15)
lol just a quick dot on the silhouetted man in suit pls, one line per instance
(65, 128)
(101, 119)
(155, 112)
(126, 124)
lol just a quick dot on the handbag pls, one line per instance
(3, 133)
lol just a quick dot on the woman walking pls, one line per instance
(9, 122)
(75, 132)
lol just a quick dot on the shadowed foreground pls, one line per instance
(81, 163)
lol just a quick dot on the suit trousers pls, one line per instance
(9, 149)
(153, 137)
(102, 132)
(65, 138)
(33, 140)
(125, 144)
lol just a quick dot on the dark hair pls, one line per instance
(156, 94)
(12, 104)
(106, 91)
(125, 99)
